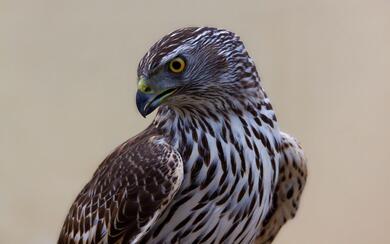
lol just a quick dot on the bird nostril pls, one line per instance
(143, 87)
(147, 89)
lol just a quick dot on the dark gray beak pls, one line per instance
(143, 105)
(150, 96)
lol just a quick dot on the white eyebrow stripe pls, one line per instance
(174, 53)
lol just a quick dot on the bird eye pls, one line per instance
(177, 65)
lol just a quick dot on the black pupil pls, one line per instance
(176, 65)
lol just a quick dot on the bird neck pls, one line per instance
(179, 125)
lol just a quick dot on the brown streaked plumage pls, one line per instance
(213, 167)
(292, 180)
(127, 193)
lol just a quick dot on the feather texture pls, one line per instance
(213, 167)
(127, 193)
(291, 182)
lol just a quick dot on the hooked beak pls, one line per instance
(149, 97)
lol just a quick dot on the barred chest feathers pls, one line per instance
(230, 170)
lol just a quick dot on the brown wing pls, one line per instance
(126, 194)
(292, 179)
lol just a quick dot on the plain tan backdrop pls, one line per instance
(68, 79)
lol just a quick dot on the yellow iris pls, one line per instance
(177, 65)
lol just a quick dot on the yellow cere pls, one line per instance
(143, 87)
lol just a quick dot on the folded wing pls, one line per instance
(126, 195)
(292, 179)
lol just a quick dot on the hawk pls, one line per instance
(213, 167)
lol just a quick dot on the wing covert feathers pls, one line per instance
(292, 179)
(126, 195)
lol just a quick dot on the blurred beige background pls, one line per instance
(67, 85)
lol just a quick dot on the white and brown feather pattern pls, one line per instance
(292, 180)
(207, 169)
(126, 194)
(231, 165)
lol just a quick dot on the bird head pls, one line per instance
(194, 65)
